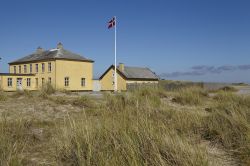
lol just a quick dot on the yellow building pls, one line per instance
(60, 67)
(127, 77)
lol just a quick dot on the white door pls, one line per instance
(19, 84)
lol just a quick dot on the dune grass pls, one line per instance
(192, 95)
(138, 128)
(130, 130)
(3, 96)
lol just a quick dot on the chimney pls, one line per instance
(39, 50)
(121, 66)
(59, 45)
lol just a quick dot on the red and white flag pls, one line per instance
(111, 23)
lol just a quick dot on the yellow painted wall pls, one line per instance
(40, 74)
(4, 82)
(60, 69)
(107, 81)
(75, 70)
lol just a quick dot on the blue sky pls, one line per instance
(169, 36)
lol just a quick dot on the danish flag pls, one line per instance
(111, 23)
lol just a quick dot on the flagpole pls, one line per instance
(115, 88)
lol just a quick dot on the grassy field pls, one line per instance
(148, 126)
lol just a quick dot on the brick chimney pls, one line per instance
(39, 50)
(59, 45)
(121, 67)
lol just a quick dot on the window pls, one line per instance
(42, 81)
(20, 69)
(30, 68)
(36, 82)
(83, 81)
(15, 69)
(37, 68)
(25, 68)
(66, 81)
(43, 65)
(28, 82)
(49, 66)
(49, 80)
(9, 82)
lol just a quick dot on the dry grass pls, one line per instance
(192, 95)
(46, 89)
(133, 128)
(3, 96)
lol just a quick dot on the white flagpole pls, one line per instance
(115, 87)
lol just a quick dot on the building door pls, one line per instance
(19, 84)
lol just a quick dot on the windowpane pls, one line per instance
(49, 66)
(25, 68)
(37, 68)
(9, 82)
(42, 81)
(83, 81)
(20, 69)
(49, 80)
(43, 65)
(15, 69)
(30, 68)
(28, 82)
(36, 82)
(66, 81)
